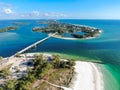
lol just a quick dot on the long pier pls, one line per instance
(34, 44)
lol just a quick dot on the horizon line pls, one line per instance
(60, 19)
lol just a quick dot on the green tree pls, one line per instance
(1, 58)
(56, 61)
(71, 63)
(1, 88)
(23, 85)
(39, 60)
(10, 85)
(63, 64)
(5, 72)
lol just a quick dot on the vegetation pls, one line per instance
(8, 28)
(1, 58)
(45, 85)
(5, 72)
(62, 28)
(42, 70)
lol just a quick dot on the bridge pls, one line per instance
(34, 45)
(10, 59)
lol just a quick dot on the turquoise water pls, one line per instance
(105, 48)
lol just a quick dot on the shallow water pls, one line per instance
(105, 48)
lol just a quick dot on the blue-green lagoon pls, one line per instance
(105, 48)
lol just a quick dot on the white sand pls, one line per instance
(88, 77)
(66, 38)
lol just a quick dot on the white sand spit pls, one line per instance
(88, 77)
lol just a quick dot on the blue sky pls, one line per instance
(60, 9)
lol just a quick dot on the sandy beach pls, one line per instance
(71, 38)
(87, 75)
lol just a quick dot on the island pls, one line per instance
(68, 30)
(21, 23)
(8, 28)
(43, 71)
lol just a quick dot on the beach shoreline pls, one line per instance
(87, 76)
(71, 38)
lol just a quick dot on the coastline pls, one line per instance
(67, 38)
(103, 52)
(87, 76)
(89, 32)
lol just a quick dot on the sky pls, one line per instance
(59, 9)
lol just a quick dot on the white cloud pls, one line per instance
(7, 11)
(63, 15)
(5, 4)
(46, 14)
(35, 13)
(54, 14)
(32, 14)
(23, 15)
(6, 8)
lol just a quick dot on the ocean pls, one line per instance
(105, 48)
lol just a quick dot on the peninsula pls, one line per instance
(42, 71)
(36, 71)
(68, 30)
(8, 28)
